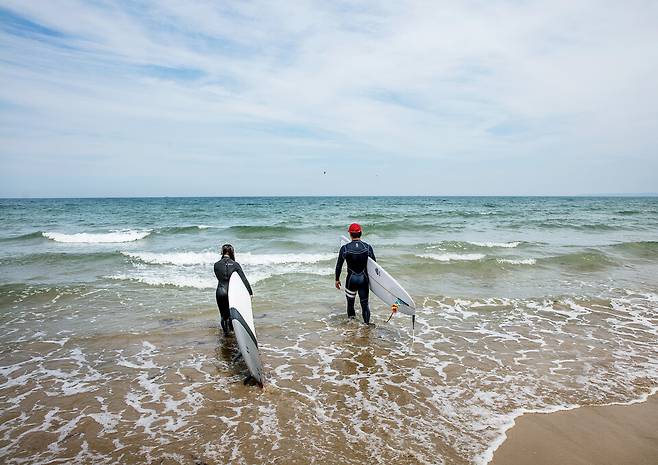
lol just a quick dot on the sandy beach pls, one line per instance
(606, 435)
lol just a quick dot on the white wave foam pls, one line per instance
(519, 261)
(206, 258)
(97, 238)
(107, 420)
(170, 279)
(201, 276)
(448, 257)
(506, 245)
(144, 358)
(175, 258)
(278, 259)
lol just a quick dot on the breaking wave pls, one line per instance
(207, 258)
(449, 257)
(97, 238)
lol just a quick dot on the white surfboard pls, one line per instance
(239, 302)
(384, 286)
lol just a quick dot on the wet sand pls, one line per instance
(607, 435)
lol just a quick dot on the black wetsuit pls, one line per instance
(356, 254)
(223, 270)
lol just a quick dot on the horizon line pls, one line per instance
(620, 194)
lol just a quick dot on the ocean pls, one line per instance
(112, 351)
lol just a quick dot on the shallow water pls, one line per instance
(111, 351)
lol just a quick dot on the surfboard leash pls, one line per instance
(413, 333)
(394, 309)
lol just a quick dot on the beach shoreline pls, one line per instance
(113, 350)
(611, 434)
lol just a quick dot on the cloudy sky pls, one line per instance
(126, 98)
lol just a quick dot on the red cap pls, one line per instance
(354, 228)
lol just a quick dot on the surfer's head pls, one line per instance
(354, 230)
(227, 250)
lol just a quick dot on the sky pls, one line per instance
(222, 98)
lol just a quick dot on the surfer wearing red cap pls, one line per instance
(356, 254)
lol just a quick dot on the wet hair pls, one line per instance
(227, 249)
(355, 235)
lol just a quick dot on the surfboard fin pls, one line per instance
(413, 322)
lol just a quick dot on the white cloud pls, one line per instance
(442, 90)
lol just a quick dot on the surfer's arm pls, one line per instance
(339, 262)
(244, 279)
(371, 253)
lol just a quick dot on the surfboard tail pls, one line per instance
(248, 346)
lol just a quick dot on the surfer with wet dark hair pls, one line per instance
(356, 254)
(224, 268)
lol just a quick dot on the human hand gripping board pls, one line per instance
(384, 286)
(243, 324)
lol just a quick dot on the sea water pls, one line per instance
(112, 352)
